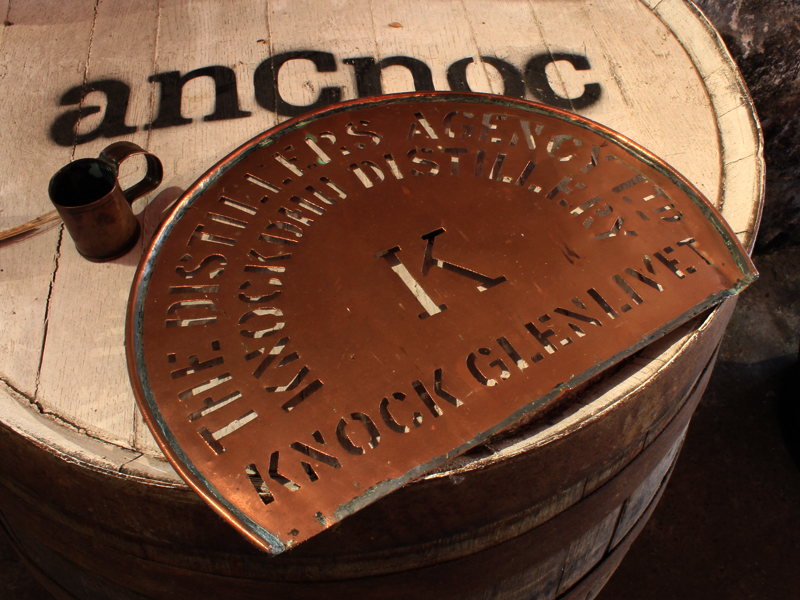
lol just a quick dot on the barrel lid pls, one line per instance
(358, 295)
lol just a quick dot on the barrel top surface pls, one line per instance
(79, 76)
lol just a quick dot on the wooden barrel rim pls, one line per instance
(739, 204)
(92, 502)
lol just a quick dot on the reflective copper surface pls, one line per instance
(95, 209)
(356, 296)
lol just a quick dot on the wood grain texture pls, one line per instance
(740, 135)
(83, 375)
(160, 571)
(661, 104)
(193, 35)
(675, 120)
(48, 43)
(667, 83)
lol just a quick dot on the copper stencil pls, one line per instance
(358, 295)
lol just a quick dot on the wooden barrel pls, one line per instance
(546, 511)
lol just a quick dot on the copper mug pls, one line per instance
(98, 213)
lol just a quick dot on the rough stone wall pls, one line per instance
(763, 36)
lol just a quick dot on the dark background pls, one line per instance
(728, 525)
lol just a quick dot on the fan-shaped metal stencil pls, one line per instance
(360, 294)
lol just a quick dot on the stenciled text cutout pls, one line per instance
(357, 296)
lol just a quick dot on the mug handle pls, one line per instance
(118, 152)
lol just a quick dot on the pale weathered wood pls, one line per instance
(652, 88)
(83, 373)
(47, 42)
(667, 83)
(180, 37)
(192, 35)
(739, 129)
(642, 97)
(345, 29)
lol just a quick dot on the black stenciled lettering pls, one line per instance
(64, 130)
(538, 84)
(226, 104)
(265, 80)
(513, 85)
(368, 73)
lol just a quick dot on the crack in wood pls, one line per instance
(47, 313)
(85, 77)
